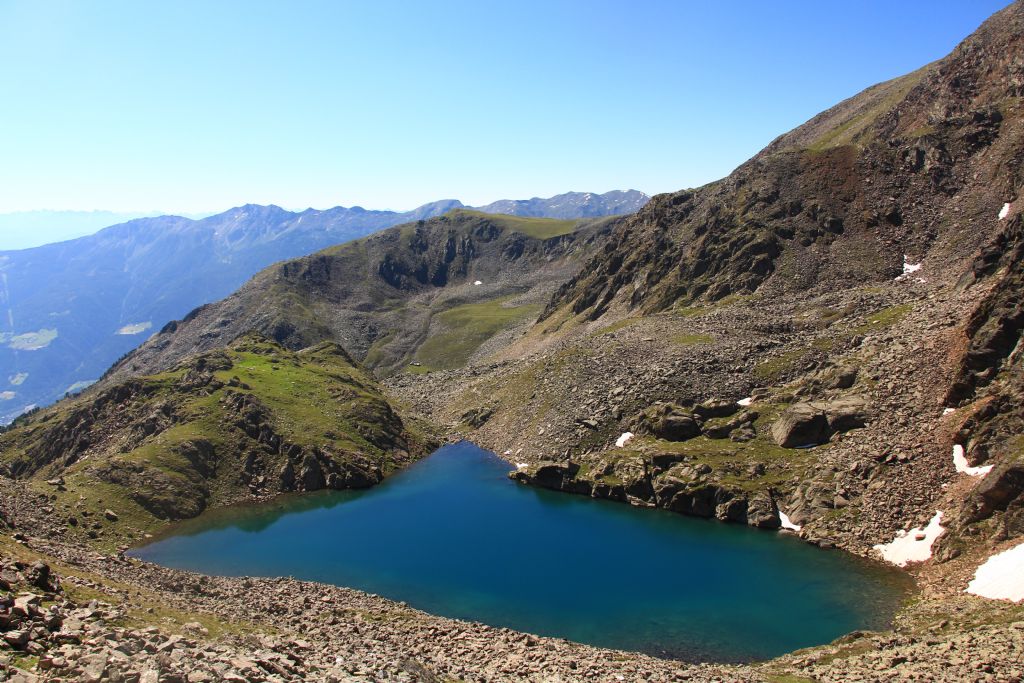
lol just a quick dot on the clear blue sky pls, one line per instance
(193, 106)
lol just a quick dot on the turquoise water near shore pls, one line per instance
(453, 536)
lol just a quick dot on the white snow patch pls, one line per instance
(948, 411)
(522, 465)
(787, 523)
(960, 462)
(1001, 577)
(1005, 211)
(745, 401)
(914, 545)
(508, 452)
(909, 267)
(621, 441)
(477, 283)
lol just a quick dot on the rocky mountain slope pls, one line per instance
(74, 307)
(827, 340)
(430, 293)
(832, 283)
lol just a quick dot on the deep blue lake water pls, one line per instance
(452, 535)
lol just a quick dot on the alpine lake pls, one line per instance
(454, 536)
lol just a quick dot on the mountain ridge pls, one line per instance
(76, 306)
(383, 296)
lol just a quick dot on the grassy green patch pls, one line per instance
(686, 339)
(375, 354)
(616, 326)
(466, 328)
(852, 130)
(23, 661)
(887, 317)
(697, 310)
(538, 228)
(774, 368)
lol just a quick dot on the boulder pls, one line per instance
(762, 513)
(311, 474)
(548, 475)
(733, 510)
(802, 424)
(722, 429)
(663, 461)
(39, 575)
(813, 423)
(476, 417)
(679, 427)
(715, 408)
(287, 476)
(844, 414)
(843, 378)
(667, 421)
(1000, 489)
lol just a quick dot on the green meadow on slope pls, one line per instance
(253, 419)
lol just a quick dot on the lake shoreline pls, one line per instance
(275, 539)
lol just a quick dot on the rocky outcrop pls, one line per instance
(813, 423)
(1002, 490)
(667, 421)
(476, 417)
(666, 480)
(801, 213)
(716, 419)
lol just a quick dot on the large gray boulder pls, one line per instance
(762, 513)
(803, 424)
(715, 408)
(667, 421)
(813, 423)
(844, 414)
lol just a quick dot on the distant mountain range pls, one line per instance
(27, 229)
(72, 308)
(571, 205)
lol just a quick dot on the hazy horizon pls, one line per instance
(36, 227)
